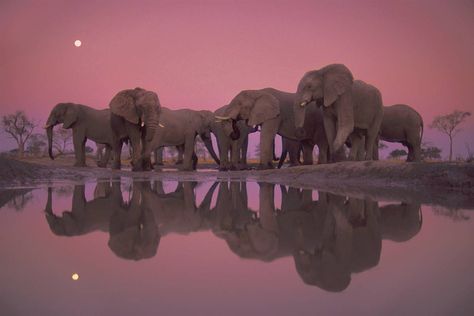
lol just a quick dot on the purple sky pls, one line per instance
(199, 54)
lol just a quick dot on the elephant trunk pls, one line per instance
(208, 143)
(299, 112)
(345, 120)
(49, 133)
(235, 131)
(151, 122)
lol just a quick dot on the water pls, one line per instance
(148, 248)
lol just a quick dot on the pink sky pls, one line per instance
(199, 54)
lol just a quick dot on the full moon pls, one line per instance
(75, 276)
(77, 43)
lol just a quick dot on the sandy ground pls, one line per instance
(441, 183)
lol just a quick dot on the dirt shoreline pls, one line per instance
(438, 182)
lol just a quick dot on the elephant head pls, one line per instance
(66, 113)
(138, 106)
(330, 87)
(253, 106)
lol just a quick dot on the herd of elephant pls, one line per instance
(329, 109)
(329, 238)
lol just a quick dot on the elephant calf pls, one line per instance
(86, 123)
(402, 124)
(179, 128)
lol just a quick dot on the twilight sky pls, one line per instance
(199, 54)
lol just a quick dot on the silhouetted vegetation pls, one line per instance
(18, 127)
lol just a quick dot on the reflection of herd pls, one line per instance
(329, 238)
(330, 109)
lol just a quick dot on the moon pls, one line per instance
(77, 43)
(75, 276)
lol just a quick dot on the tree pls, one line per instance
(37, 144)
(62, 139)
(430, 152)
(19, 127)
(448, 124)
(397, 153)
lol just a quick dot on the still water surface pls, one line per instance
(148, 248)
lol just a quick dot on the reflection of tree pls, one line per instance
(455, 214)
(15, 198)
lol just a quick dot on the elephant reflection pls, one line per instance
(329, 239)
(133, 233)
(136, 226)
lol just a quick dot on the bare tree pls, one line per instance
(19, 127)
(448, 124)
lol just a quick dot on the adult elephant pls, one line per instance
(134, 117)
(402, 124)
(86, 123)
(234, 147)
(269, 108)
(180, 128)
(348, 106)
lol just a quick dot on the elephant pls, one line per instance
(348, 106)
(135, 117)
(86, 216)
(400, 222)
(293, 148)
(86, 123)
(402, 124)
(269, 108)
(180, 128)
(235, 147)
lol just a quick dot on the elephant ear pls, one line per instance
(123, 104)
(337, 80)
(265, 108)
(70, 116)
(206, 119)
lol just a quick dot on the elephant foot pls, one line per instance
(159, 164)
(80, 164)
(178, 162)
(265, 166)
(101, 165)
(293, 164)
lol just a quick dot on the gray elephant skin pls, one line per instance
(232, 148)
(86, 123)
(269, 108)
(179, 128)
(348, 106)
(135, 118)
(403, 124)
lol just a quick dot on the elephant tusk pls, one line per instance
(218, 121)
(47, 126)
(222, 118)
(160, 125)
(302, 104)
(142, 124)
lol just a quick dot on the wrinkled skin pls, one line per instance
(269, 108)
(347, 104)
(232, 140)
(135, 118)
(86, 123)
(180, 128)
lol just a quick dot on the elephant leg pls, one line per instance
(376, 148)
(235, 155)
(307, 153)
(105, 157)
(267, 136)
(136, 145)
(79, 141)
(330, 129)
(188, 152)
(117, 152)
(356, 144)
(224, 150)
(243, 150)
